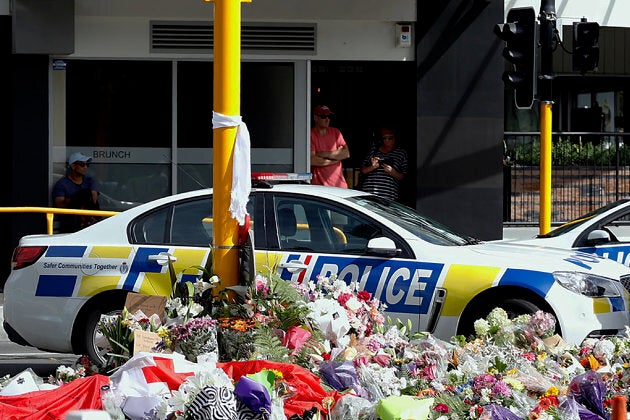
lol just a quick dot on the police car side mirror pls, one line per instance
(598, 237)
(382, 246)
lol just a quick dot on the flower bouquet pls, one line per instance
(195, 337)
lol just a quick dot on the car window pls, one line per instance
(151, 228)
(187, 223)
(191, 223)
(304, 224)
(619, 228)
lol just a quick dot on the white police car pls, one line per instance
(440, 280)
(604, 231)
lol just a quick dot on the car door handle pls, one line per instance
(162, 258)
(293, 266)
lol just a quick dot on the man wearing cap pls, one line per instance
(328, 149)
(75, 190)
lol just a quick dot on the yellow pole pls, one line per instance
(545, 167)
(227, 84)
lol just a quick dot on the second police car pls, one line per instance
(440, 280)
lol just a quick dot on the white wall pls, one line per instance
(346, 30)
(604, 12)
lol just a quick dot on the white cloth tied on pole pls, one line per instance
(241, 164)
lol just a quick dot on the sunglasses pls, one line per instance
(324, 117)
(83, 164)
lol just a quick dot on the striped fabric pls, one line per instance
(380, 183)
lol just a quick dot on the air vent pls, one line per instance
(198, 37)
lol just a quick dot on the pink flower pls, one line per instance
(362, 360)
(295, 338)
(530, 356)
(382, 359)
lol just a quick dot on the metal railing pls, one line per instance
(589, 170)
(51, 211)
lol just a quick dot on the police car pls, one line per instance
(440, 280)
(604, 231)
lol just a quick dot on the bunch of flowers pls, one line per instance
(118, 330)
(356, 310)
(208, 383)
(64, 374)
(190, 299)
(508, 370)
(195, 337)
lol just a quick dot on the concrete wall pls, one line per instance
(351, 30)
(460, 117)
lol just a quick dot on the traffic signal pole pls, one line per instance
(547, 20)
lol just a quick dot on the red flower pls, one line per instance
(326, 356)
(441, 408)
(343, 298)
(363, 295)
(295, 338)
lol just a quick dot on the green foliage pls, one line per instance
(269, 346)
(569, 152)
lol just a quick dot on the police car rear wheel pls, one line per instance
(94, 345)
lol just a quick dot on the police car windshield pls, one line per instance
(409, 219)
(569, 226)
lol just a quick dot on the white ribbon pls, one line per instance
(241, 165)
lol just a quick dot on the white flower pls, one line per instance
(482, 328)
(498, 317)
(330, 318)
(354, 304)
(603, 350)
(201, 286)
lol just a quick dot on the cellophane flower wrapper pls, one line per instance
(340, 376)
(498, 412)
(353, 407)
(254, 395)
(589, 390)
(569, 409)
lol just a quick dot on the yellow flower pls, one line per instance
(277, 373)
(542, 356)
(553, 391)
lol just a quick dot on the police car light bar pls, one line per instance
(287, 176)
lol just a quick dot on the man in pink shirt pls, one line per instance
(328, 149)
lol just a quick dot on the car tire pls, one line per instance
(91, 336)
(514, 307)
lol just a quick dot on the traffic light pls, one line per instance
(519, 33)
(585, 46)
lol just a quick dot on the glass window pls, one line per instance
(151, 228)
(317, 226)
(118, 103)
(187, 223)
(192, 223)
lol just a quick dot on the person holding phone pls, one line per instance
(385, 166)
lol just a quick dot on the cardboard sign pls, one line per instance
(149, 305)
(145, 341)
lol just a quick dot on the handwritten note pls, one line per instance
(145, 341)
